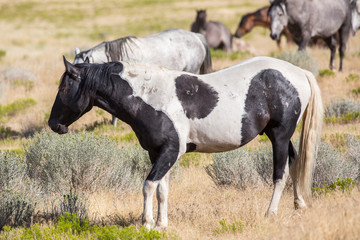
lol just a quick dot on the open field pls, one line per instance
(35, 36)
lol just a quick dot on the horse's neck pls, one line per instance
(201, 24)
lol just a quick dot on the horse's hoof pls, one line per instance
(161, 228)
(299, 204)
(149, 225)
(270, 213)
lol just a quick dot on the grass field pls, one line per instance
(35, 36)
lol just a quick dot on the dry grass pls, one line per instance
(195, 206)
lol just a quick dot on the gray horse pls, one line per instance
(355, 15)
(175, 49)
(217, 35)
(316, 18)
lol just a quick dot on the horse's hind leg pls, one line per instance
(298, 198)
(343, 37)
(280, 140)
(331, 42)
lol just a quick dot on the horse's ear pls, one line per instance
(69, 67)
(77, 51)
(87, 60)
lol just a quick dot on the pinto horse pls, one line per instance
(176, 49)
(258, 18)
(173, 112)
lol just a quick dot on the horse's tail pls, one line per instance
(309, 138)
(206, 66)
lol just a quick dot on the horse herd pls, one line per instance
(151, 83)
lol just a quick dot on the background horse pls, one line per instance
(174, 112)
(258, 18)
(217, 35)
(316, 18)
(355, 15)
(175, 49)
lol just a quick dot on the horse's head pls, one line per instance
(70, 103)
(80, 57)
(355, 15)
(278, 18)
(244, 26)
(201, 15)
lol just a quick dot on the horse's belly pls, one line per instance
(217, 133)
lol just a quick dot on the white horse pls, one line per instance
(174, 112)
(175, 49)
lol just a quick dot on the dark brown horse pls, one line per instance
(217, 35)
(258, 18)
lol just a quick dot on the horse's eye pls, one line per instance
(280, 13)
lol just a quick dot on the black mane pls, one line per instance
(94, 77)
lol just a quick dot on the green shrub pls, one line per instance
(345, 185)
(6, 132)
(70, 226)
(234, 168)
(301, 59)
(15, 107)
(84, 162)
(326, 72)
(356, 91)
(2, 54)
(352, 77)
(342, 110)
(235, 227)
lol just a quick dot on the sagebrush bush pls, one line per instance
(15, 209)
(354, 153)
(344, 109)
(234, 168)
(301, 59)
(84, 162)
(243, 168)
(263, 161)
(331, 165)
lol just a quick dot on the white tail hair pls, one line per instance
(309, 138)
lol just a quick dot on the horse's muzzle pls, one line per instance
(274, 36)
(57, 127)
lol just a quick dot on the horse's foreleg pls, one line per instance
(304, 41)
(114, 121)
(162, 198)
(148, 192)
(158, 179)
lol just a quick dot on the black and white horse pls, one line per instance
(176, 49)
(173, 112)
(316, 18)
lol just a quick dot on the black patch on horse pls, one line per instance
(197, 98)
(271, 101)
